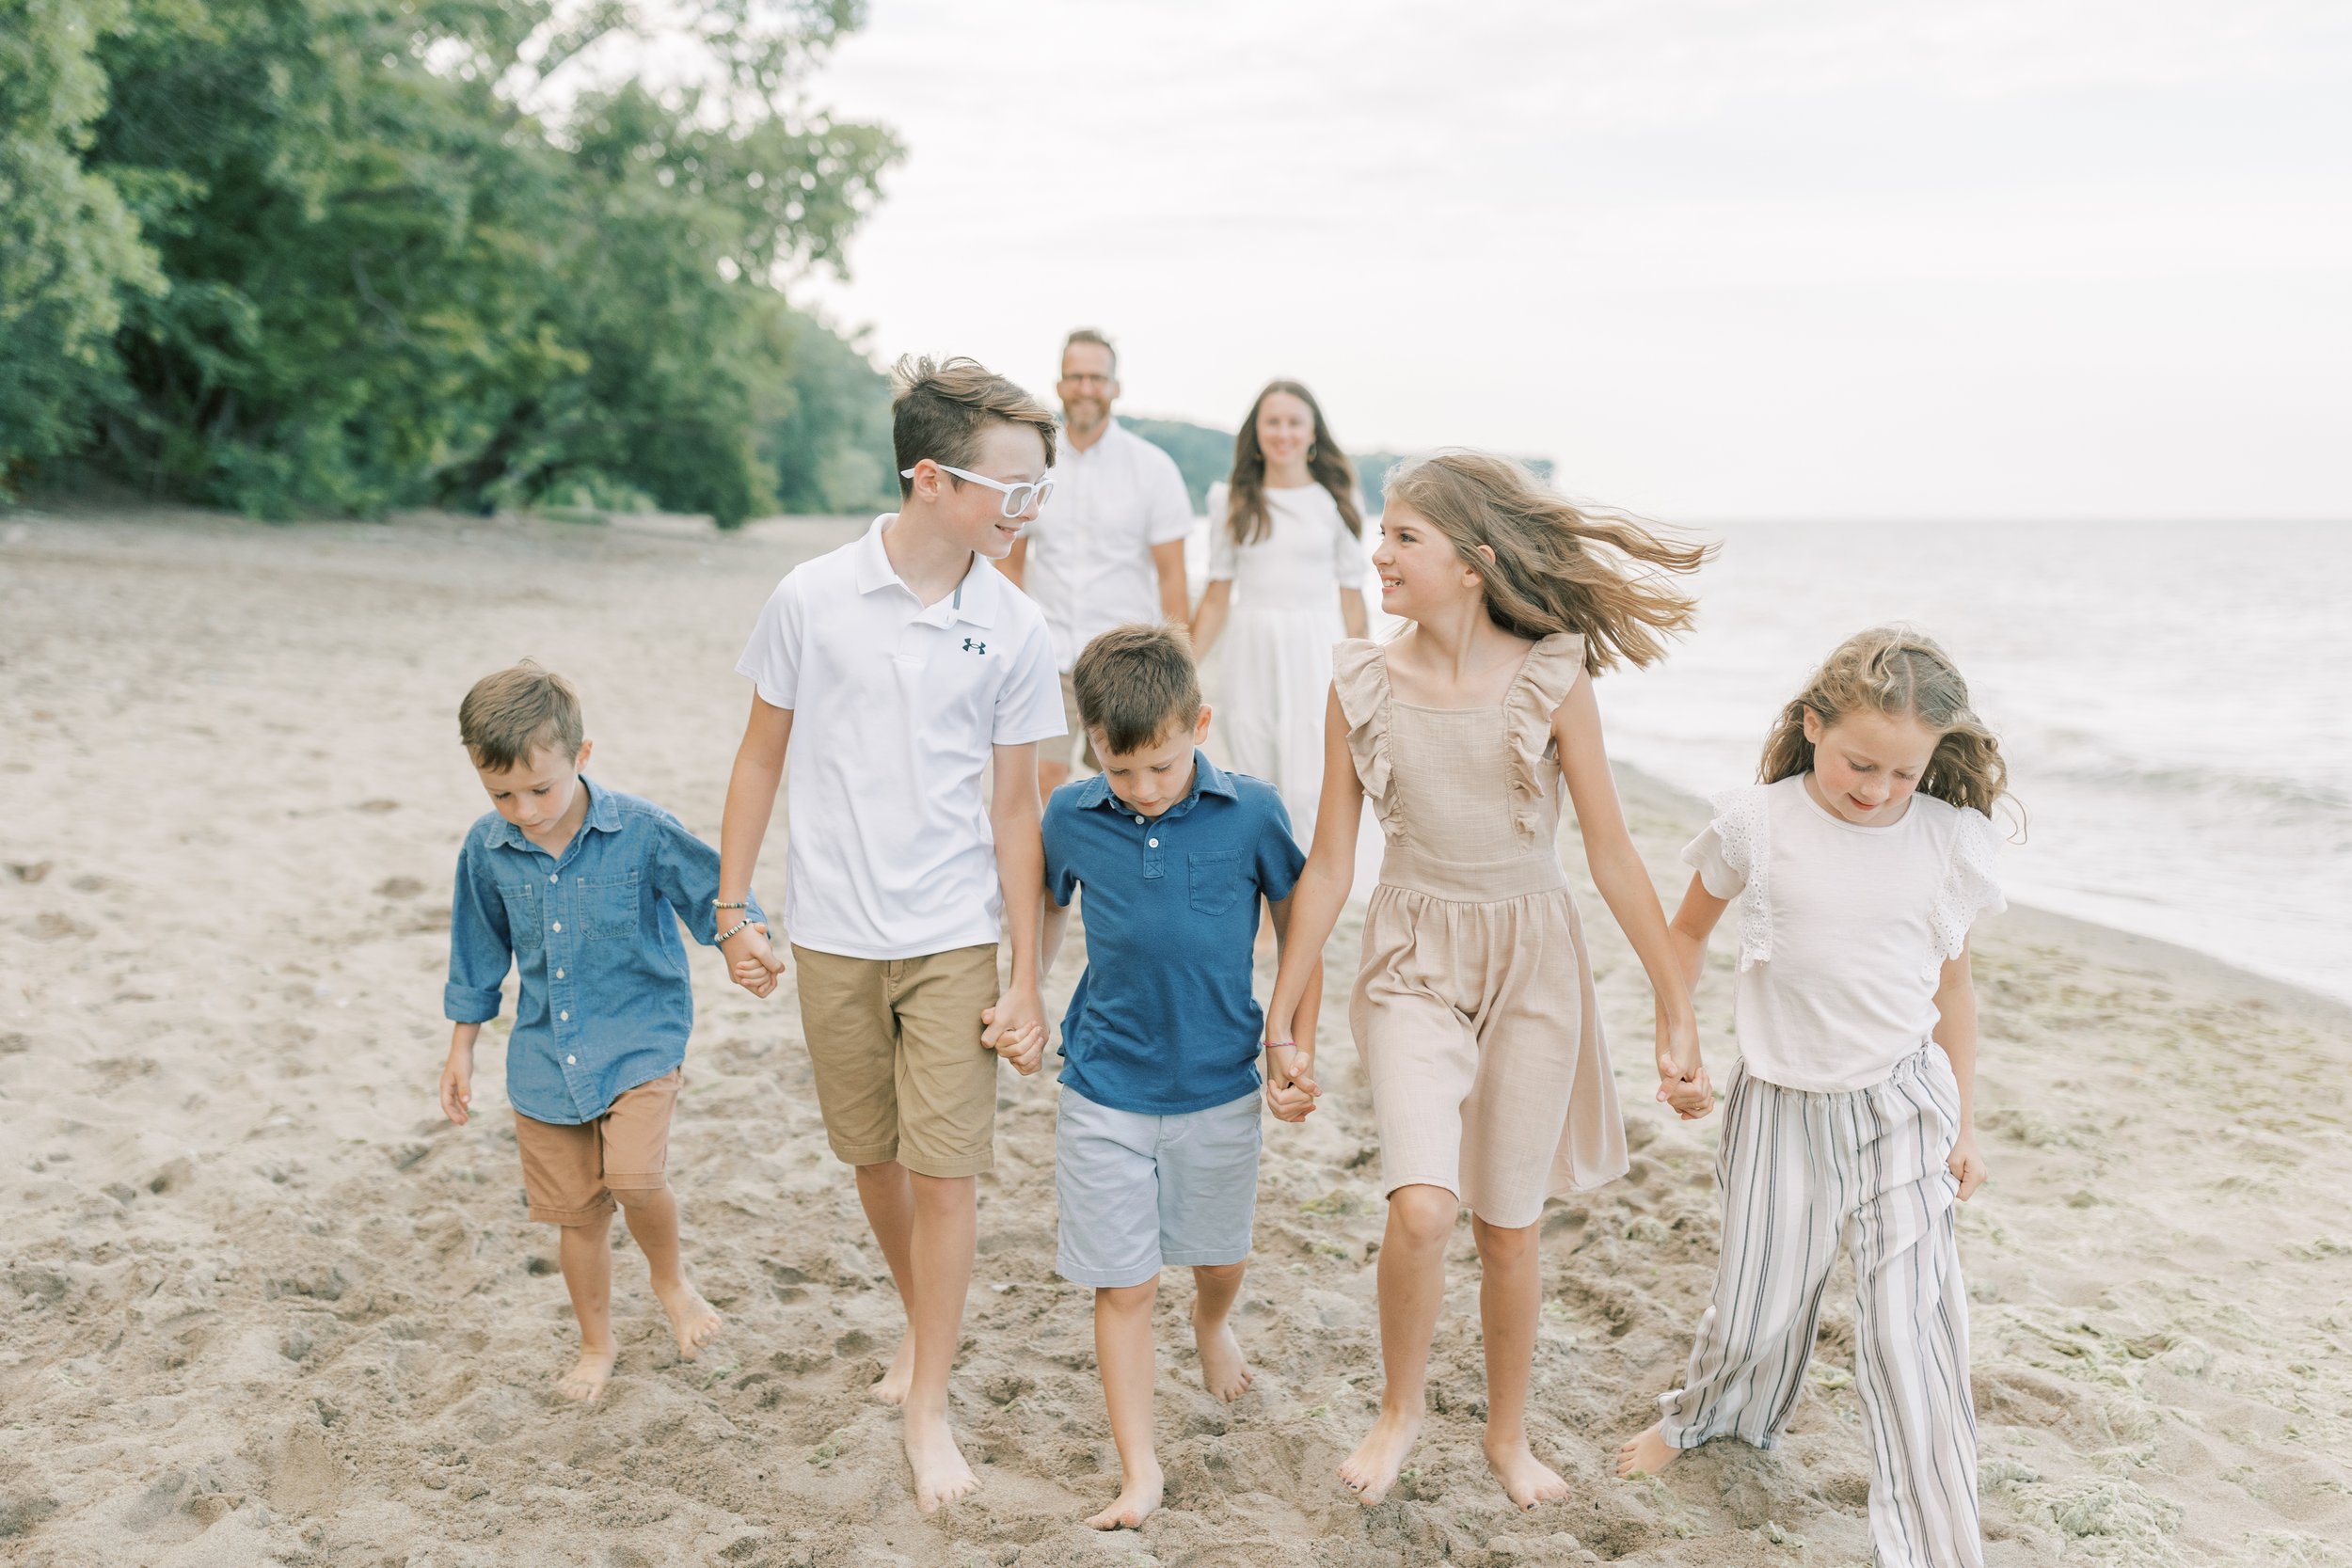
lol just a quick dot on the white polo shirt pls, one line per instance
(895, 710)
(1089, 564)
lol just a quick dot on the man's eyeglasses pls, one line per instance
(1018, 497)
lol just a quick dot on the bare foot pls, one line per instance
(941, 1476)
(691, 1317)
(1646, 1456)
(1370, 1470)
(588, 1376)
(1134, 1503)
(1526, 1480)
(892, 1387)
(1223, 1371)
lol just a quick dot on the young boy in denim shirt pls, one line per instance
(581, 889)
(1157, 1136)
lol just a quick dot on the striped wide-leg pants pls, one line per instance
(1803, 1175)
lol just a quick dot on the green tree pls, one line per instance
(68, 247)
(391, 282)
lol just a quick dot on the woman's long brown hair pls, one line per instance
(1244, 488)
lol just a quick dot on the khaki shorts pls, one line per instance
(571, 1173)
(1060, 750)
(895, 1044)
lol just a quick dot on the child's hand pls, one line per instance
(1291, 1090)
(1024, 1049)
(1690, 1098)
(751, 962)
(1682, 1082)
(1966, 1164)
(457, 1086)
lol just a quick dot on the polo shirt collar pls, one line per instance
(604, 815)
(974, 599)
(1207, 779)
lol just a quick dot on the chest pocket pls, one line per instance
(524, 927)
(1214, 879)
(608, 907)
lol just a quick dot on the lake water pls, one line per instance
(2171, 698)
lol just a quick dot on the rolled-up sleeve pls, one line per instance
(479, 948)
(685, 872)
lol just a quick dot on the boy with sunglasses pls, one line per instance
(900, 672)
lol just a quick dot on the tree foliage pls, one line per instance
(69, 249)
(424, 252)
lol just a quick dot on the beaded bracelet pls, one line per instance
(742, 925)
(723, 904)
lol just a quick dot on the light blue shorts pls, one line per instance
(1138, 1192)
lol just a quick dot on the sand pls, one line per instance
(263, 1305)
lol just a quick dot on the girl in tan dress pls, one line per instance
(1473, 1011)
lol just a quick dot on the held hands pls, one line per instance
(1966, 1164)
(1683, 1086)
(1015, 1028)
(1291, 1090)
(751, 962)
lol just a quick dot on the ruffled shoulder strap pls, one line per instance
(1971, 885)
(1742, 825)
(1550, 672)
(1359, 677)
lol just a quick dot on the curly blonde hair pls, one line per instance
(1895, 671)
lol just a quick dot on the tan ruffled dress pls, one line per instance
(1474, 1011)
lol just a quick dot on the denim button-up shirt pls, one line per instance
(606, 1003)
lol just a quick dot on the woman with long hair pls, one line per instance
(1286, 575)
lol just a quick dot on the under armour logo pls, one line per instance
(972, 647)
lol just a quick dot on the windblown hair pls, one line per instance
(1244, 488)
(1557, 566)
(943, 405)
(1897, 671)
(1135, 683)
(509, 717)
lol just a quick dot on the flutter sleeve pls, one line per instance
(1359, 676)
(1971, 886)
(1733, 857)
(1552, 668)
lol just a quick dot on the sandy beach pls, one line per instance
(263, 1305)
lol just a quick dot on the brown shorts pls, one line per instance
(900, 1072)
(1059, 750)
(571, 1173)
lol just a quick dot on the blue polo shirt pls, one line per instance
(1161, 1022)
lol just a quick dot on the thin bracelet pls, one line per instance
(723, 904)
(742, 925)
(1281, 1045)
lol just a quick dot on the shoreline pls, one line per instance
(2032, 922)
(264, 1303)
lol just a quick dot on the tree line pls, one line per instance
(340, 256)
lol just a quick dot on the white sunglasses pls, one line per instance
(1018, 497)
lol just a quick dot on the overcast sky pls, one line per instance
(1718, 257)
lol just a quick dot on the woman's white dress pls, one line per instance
(1277, 644)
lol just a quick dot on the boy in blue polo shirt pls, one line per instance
(1157, 1141)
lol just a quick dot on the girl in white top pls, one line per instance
(1286, 577)
(1858, 867)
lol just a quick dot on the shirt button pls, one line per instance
(565, 1017)
(559, 974)
(554, 879)
(556, 926)
(1153, 842)
(571, 1061)
(1139, 821)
